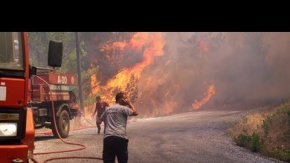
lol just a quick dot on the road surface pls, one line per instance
(199, 136)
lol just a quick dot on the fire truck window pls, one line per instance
(11, 51)
(16, 48)
(5, 47)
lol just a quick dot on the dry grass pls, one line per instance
(266, 131)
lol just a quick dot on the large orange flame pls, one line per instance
(155, 48)
(151, 44)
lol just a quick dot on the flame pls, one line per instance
(151, 44)
(156, 44)
(136, 43)
(210, 92)
(94, 83)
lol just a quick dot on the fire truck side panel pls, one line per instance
(41, 93)
(29, 132)
(12, 92)
(57, 78)
(8, 152)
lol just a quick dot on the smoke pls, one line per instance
(242, 67)
(172, 72)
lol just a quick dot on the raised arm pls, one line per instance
(130, 105)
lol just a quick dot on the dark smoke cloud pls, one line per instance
(246, 66)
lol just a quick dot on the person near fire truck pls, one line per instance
(99, 109)
(115, 142)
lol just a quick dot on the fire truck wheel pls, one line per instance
(63, 125)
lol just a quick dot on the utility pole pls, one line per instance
(79, 71)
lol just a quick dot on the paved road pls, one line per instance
(193, 137)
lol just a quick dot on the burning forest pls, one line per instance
(173, 72)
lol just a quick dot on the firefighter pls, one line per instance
(99, 109)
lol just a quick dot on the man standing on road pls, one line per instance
(115, 141)
(99, 108)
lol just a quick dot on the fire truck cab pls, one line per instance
(17, 126)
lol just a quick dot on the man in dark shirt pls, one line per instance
(99, 109)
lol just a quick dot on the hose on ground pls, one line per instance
(81, 146)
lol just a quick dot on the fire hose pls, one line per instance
(77, 144)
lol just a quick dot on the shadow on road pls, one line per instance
(40, 138)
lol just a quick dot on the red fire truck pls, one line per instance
(31, 97)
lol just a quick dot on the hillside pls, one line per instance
(266, 131)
